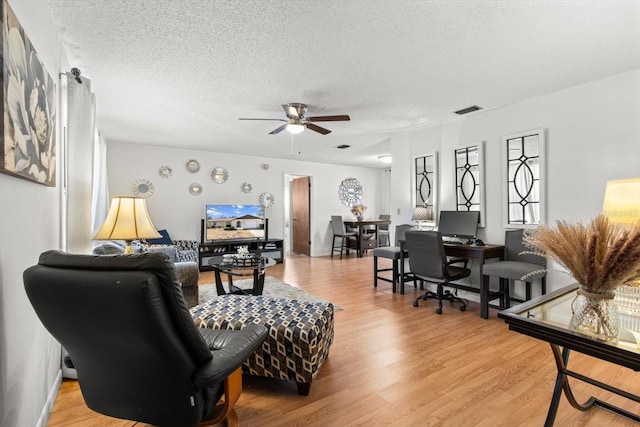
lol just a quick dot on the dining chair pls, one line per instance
(383, 231)
(428, 262)
(339, 232)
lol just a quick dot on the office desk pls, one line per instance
(547, 318)
(362, 243)
(480, 253)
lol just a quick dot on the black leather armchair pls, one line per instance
(137, 352)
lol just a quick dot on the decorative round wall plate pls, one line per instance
(219, 175)
(193, 166)
(165, 171)
(142, 188)
(195, 189)
(246, 187)
(267, 200)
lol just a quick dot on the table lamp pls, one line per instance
(127, 220)
(422, 214)
(622, 201)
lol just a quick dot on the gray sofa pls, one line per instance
(183, 253)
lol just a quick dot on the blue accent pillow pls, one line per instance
(164, 240)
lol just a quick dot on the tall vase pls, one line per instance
(595, 313)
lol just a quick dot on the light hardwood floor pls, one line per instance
(395, 365)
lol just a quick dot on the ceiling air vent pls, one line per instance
(343, 146)
(468, 110)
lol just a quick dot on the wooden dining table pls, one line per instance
(364, 240)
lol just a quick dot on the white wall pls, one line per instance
(174, 208)
(29, 225)
(592, 132)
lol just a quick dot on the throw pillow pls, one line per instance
(164, 240)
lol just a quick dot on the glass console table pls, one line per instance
(547, 318)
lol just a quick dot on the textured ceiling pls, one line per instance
(181, 72)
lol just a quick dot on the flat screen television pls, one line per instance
(235, 222)
(459, 224)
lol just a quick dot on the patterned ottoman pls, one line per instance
(300, 333)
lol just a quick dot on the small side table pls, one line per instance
(240, 269)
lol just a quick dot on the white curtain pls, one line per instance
(100, 200)
(79, 164)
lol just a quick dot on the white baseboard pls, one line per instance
(51, 400)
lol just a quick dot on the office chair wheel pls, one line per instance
(415, 303)
(438, 310)
(463, 308)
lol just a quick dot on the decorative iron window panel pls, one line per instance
(425, 182)
(469, 170)
(524, 178)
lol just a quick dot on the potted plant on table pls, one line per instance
(358, 211)
(601, 256)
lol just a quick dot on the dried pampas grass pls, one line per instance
(601, 255)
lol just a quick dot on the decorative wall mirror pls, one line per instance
(469, 167)
(425, 185)
(142, 188)
(219, 175)
(350, 192)
(523, 166)
(195, 189)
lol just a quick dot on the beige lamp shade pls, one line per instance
(127, 220)
(622, 201)
(422, 213)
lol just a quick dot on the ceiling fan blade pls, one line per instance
(278, 130)
(277, 120)
(317, 128)
(338, 118)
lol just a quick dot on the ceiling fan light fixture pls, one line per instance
(295, 128)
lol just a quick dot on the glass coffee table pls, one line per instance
(241, 268)
(548, 318)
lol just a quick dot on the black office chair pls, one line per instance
(339, 232)
(394, 254)
(516, 265)
(429, 262)
(137, 352)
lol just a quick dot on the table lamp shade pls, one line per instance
(622, 201)
(422, 213)
(127, 220)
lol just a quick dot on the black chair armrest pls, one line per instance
(229, 350)
(456, 261)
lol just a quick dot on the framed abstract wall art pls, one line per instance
(28, 134)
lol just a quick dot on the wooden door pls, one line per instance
(300, 214)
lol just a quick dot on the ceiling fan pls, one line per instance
(298, 120)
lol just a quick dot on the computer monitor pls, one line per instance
(460, 224)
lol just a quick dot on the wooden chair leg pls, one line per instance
(333, 245)
(225, 411)
(375, 273)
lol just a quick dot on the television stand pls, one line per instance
(214, 250)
